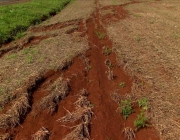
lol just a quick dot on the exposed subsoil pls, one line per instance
(90, 72)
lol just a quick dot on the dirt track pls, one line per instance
(82, 77)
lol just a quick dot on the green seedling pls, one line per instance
(107, 51)
(143, 103)
(137, 15)
(122, 84)
(91, 105)
(138, 38)
(109, 64)
(89, 67)
(140, 121)
(151, 21)
(2, 89)
(90, 81)
(12, 56)
(100, 35)
(126, 108)
(176, 36)
(1, 109)
(29, 59)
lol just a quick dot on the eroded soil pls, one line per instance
(95, 70)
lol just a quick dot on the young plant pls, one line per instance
(126, 108)
(100, 35)
(1, 109)
(176, 35)
(138, 38)
(107, 51)
(109, 64)
(12, 56)
(91, 105)
(122, 84)
(143, 103)
(140, 121)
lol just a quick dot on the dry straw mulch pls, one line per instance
(18, 109)
(83, 112)
(42, 134)
(5, 136)
(146, 44)
(59, 90)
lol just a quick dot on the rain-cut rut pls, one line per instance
(87, 71)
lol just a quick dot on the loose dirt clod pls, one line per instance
(42, 134)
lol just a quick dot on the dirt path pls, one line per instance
(95, 70)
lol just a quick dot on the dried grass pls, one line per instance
(129, 133)
(77, 133)
(83, 112)
(5, 136)
(153, 61)
(59, 90)
(76, 115)
(18, 109)
(110, 74)
(86, 62)
(42, 134)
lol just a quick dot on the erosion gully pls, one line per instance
(107, 122)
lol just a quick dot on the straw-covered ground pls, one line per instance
(147, 44)
(83, 73)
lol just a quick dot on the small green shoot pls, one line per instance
(151, 21)
(176, 35)
(30, 52)
(12, 56)
(100, 35)
(140, 121)
(126, 108)
(1, 109)
(29, 59)
(122, 84)
(89, 67)
(138, 38)
(107, 51)
(90, 81)
(2, 89)
(137, 15)
(109, 64)
(91, 105)
(143, 103)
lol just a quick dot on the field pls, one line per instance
(15, 19)
(98, 70)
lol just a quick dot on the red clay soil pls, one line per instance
(107, 122)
